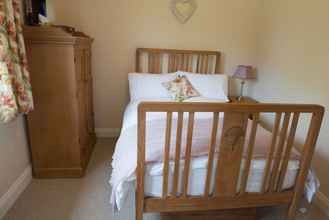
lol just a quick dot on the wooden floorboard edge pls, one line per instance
(8, 199)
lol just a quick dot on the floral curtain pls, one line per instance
(15, 87)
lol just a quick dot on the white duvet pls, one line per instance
(124, 162)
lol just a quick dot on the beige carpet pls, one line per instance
(88, 198)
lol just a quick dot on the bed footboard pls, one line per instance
(236, 214)
(234, 123)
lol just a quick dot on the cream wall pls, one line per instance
(293, 63)
(14, 156)
(119, 27)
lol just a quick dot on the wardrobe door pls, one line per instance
(89, 97)
(82, 104)
(52, 129)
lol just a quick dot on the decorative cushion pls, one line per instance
(213, 86)
(181, 88)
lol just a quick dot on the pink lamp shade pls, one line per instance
(244, 72)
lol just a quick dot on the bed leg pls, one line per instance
(139, 214)
(139, 211)
(139, 206)
(292, 211)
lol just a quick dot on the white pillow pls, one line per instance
(148, 86)
(212, 86)
(203, 99)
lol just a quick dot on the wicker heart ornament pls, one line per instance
(183, 9)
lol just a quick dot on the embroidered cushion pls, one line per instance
(213, 86)
(181, 88)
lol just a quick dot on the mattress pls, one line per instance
(198, 172)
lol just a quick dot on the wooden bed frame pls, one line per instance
(225, 197)
(207, 62)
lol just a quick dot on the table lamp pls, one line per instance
(244, 73)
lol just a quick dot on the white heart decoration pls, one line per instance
(183, 9)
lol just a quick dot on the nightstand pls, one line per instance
(244, 100)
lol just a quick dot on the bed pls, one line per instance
(206, 155)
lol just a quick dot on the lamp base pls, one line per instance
(240, 98)
(241, 90)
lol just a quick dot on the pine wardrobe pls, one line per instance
(61, 127)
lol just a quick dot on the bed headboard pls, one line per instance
(153, 60)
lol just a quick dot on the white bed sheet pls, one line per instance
(154, 172)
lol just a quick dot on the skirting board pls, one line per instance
(9, 198)
(107, 132)
(322, 202)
